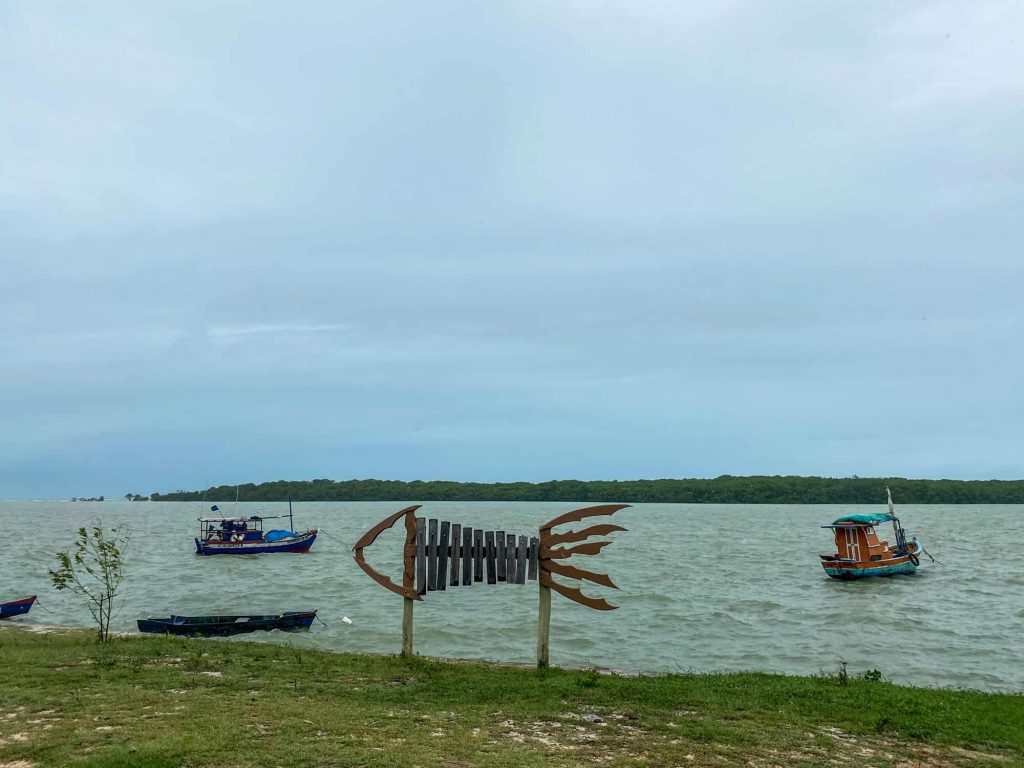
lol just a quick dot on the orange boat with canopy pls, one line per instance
(860, 553)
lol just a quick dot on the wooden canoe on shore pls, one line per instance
(227, 625)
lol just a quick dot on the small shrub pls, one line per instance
(92, 568)
(843, 677)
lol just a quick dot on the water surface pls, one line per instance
(703, 588)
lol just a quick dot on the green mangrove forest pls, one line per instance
(726, 489)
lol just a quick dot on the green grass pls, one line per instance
(154, 702)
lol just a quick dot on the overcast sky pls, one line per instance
(508, 241)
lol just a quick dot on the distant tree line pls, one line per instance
(726, 489)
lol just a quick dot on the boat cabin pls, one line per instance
(234, 529)
(858, 542)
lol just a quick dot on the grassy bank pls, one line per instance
(160, 702)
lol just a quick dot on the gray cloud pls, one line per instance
(517, 242)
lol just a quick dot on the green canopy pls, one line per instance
(869, 519)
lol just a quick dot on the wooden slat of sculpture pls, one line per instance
(492, 572)
(534, 549)
(522, 553)
(442, 556)
(499, 544)
(431, 555)
(510, 558)
(454, 554)
(478, 555)
(467, 556)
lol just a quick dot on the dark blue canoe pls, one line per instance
(17, 607)
(227, 625)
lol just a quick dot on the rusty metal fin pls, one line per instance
(595, 530)
(590, 548)
(406, 590)
(579, 514)
(577, 596)
(579, 574)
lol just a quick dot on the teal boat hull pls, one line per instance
(838, 572)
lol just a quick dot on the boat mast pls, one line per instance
(901, 536)
(291, 522)
(202, 511)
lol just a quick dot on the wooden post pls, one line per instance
(543, 626)
(409, 579)
(407, 627)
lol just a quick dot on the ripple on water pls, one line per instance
(687, 603)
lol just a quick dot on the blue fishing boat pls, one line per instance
(245, 535)
(17, 607)
(226, 625)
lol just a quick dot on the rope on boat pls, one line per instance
(322, 532)
(930, 556)
(38, 604)
(320, 620)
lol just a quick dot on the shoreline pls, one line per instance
(68, 629)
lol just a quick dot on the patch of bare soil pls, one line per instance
(858, 750)
(952, 757)
(597, 737)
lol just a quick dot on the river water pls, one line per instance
(703, 588)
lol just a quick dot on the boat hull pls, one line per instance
(17, 607)
(226, 625)
(896, 566)
(846, 572)
(301, 543)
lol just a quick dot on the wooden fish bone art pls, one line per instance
(439, 554)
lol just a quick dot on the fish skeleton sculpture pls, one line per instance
(435, 554)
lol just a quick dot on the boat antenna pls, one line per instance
(901, 536)
(202, 511)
